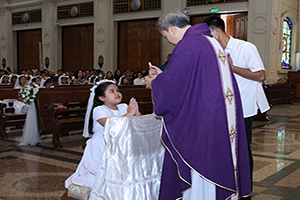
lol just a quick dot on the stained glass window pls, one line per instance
(286, 44)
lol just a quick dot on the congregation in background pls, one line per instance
(48, 79)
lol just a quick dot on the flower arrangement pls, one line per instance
(29, 93)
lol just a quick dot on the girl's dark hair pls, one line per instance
(137, 74)
(117, 77)
(112, 75)
(93, 77)
(49, 80)
(33, 79)
(145, 74)
(123, 78)
(99, 92)
(76, 74)
(11, 79)
(116, 72)
(23, 76)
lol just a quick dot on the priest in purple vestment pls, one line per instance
(204, 135)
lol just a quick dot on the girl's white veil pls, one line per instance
(86, 133)
(43, 82)
(17, 84)
(1, 79)
(63, 76)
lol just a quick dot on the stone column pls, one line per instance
(6, 39)
(167, 6)
(259, 17)
(102, 34)
(48, 39)
(265, 19)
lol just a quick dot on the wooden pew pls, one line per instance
(9, 93)
(279, 93)
(7, 115)
(294, 79)
(55, 120)
(2, 86)
(142, 95)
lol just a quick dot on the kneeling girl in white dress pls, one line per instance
(19, 106)
(106, 103)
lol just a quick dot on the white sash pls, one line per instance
(229, 98)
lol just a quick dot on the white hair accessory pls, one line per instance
(63, 76)
(90, 79)
(1, 79)
(43, 81)
(11, 76)
(35, 77)
(86, 133)
(17, 83)
(120, 80)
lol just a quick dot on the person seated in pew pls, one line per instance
(34, 70)
(124, 81)
(87, 73)
(14, 71)
(37, 80)
(8, 70)
(13, 79)
(79, 78)
(1, 72)
(117, 75)
(21, 81)
(92, 79)
(59, 73)
(102, 74)
(97, 80)
(19, 106)
(64, 80)
(47, 83)
(29, 73)
(93, 72)
(129, 74)
(105, 101)
(139, 80)
(4, 80)
(109, 76)
(43, 74)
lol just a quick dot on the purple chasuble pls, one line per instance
(189, 96)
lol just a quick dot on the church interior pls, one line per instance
(106, 36)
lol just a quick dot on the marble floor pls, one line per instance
(38, 172)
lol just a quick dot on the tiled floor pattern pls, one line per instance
(38, 172)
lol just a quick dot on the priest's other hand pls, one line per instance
(154, 71)
(148, 82)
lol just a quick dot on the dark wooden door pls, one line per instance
(237, 25)
(139, 43)
(78, 47)
(28, 49)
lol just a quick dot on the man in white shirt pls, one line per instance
(249, 72)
